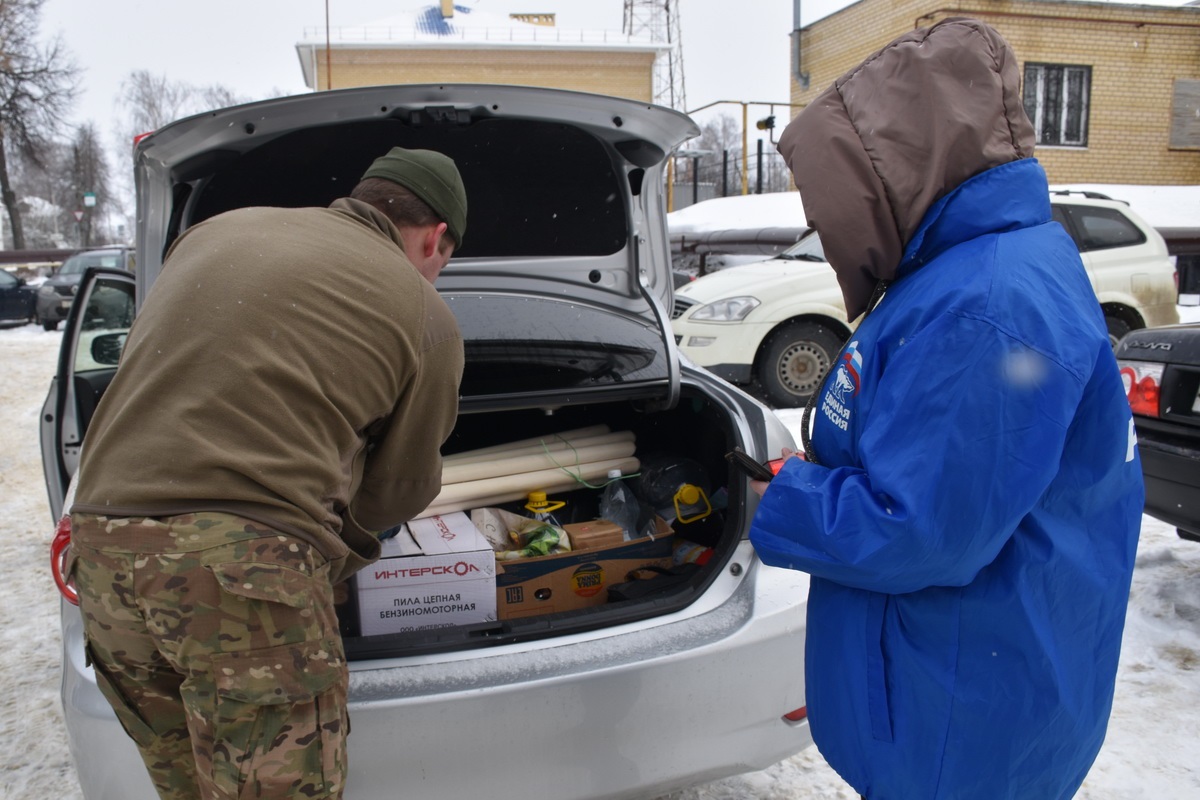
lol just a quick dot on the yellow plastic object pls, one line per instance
(538, 504)
(690, 497)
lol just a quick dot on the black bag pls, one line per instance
(663, 580)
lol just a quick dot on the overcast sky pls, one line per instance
(732, 50)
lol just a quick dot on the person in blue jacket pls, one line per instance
(971, 499)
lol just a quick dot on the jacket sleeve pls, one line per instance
(964, 436)
(403, 470)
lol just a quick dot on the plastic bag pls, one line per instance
(675, 487)
(514, 536)
(619, 506)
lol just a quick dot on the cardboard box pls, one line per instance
(579, 579)
(436, 572)
(597, 534)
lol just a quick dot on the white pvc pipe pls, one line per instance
(594, 430)
(551, 444)
(477, 470)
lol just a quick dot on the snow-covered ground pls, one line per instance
(1149, 752)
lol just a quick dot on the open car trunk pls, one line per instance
(561, 291)
(685, 443)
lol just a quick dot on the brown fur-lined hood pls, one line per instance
(875, 150)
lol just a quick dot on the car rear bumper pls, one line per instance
(1172, 477)
(628, 712)
(53, 309)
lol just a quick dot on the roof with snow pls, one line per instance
(498, 23)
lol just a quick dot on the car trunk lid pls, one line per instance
(564, 269)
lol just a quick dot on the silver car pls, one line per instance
(562, 291)
(57, 293)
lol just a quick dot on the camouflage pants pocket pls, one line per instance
(279, 722)
(127, 712)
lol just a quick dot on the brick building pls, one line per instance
(481, 41)
(1113, 89)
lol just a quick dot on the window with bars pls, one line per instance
(1056, 100)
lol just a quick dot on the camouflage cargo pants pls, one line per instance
(215, 640)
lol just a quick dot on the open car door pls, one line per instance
(91, 348)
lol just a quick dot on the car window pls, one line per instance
(107, 315)
(1060, 216)
(1100, 228)
(79, 263)
(807, 249)
(7, 281)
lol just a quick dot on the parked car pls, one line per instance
(561, 291)
(1127, 261)
(1161, 370)
(56, 294)
(16, 299)
(777, 325)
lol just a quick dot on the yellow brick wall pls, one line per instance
(619, 73)
(1135, 52)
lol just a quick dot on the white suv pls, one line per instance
(776, 325)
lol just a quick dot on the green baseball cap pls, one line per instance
(432, 177)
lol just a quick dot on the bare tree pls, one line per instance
(151, 101)
(217, 96)
(37, 85)
(721, 136)
(88, 176)
(41, 189)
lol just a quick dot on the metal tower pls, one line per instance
(660, 19)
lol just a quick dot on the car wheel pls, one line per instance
(1117, 328)
(794, 360)
(49, 324)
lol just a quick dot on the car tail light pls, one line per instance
(799, 715)
(58, 557)
(1142, 384)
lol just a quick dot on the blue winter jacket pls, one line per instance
(972, 528)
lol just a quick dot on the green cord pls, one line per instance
(577, 478)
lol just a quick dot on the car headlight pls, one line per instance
(729, 309)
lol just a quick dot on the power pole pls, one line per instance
(660, 19)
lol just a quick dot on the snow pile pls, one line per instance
(1161, 206)
(740, 212)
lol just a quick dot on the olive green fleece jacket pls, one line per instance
(290, 366)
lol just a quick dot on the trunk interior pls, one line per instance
(689, 440)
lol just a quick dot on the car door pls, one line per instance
(91, 348)
(14, 298)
